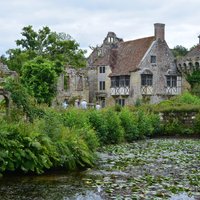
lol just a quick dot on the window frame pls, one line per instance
(153, 59)
(120, 81)
(146, 79)
(102, 69)
(102, 85)
(171, 81)
(120, 102)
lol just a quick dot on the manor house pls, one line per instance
(123, 71)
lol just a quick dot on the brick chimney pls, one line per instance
(159, 31)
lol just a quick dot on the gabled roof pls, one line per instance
(194, 52)
(129, 55)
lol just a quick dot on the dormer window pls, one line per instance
(153, 59)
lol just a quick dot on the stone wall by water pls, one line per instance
(187, 118)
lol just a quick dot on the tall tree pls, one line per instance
(179, 51)
(48, 44)
(39, 76)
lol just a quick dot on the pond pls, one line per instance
(148, 169)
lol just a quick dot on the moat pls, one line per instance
(148, 169)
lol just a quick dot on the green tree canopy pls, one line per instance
(194, 81)
(48, 44)
(179, 51)
(39, 76)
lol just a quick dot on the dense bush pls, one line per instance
(45, 143)
(74, 117)
(115, 132)
(69, 138)
(99, 124)
(23, 148)
(129, 122)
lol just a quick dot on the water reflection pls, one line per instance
(46, 187)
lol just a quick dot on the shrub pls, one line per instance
(187, 98)
(145, 125)
(74, 150)
(45, 143)
(172, 127)
(74, 117)
(24, 149)
(115, 132)
(130, 125)
(99, 124)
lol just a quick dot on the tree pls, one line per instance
(20, 97)
(39, 76)
(194, 81)
(47, 44)
(179, 51)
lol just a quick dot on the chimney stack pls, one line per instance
(159, 31)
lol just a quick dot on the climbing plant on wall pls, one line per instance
(194, 80)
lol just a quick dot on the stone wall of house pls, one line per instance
(164, 65)
(73, 83)
(93, 84)
(102, 96)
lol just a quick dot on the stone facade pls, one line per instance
(72, 85)
(123, 72)
(5, 72)
(188, 64)
(139, 69)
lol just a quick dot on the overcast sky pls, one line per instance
(88, 21)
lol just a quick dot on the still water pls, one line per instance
(57, 186)
(152, 170)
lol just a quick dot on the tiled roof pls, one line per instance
(102, 60)
(194, 52)
(129, 55)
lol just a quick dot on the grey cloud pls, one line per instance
(88, 21)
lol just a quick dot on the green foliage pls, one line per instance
(172, 127)
(24, 103)
(40, 78)
(138, 102)
(196, 89)
(194, 78)
(48, 44)
(181, 103)
(118, 107)
(148, 123)
(24, 149)
(45, 143)
(129, 122)
(97, 121)
(197, 124)
(74, 117)
(73, 150)
(115, 132)
(179, 51)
